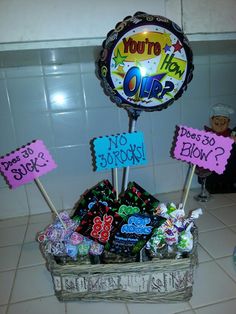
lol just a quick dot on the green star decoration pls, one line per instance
(119, 59)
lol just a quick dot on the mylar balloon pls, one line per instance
(145, 63)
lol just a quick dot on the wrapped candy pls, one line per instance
(55, 248)
(133, 234)
(71, 250)
(41, 237)
(56, 238)
(157, 241)
(194, 214)
(96, 248)
(100, 223)
(136, 197)
(102, 192)
(166, 235)
(63, 243)
(175, 233)
(56, 232)
(169, 211)
(185, 243)
(136, 209)
(84, 247)
(171, 232)
(76, 238)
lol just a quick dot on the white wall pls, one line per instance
(30, 24)
(209, 16)
(29, 82)
(30, 21)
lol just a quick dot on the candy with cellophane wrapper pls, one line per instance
(56, 232)
(64, 242)
(71, 250)
(157, 241)
(175, 236)
(84, 247)
(96, 248)
(169, 210)
(171, 232)
(55, 248)
(194, 214)
(185, 243)
(76, 238)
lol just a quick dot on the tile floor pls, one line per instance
(26, 286)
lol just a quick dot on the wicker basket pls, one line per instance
(156, 281)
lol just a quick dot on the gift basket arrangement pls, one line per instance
(127, 246)
(131, 249)
(124, 246)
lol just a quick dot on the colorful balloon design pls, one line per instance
(145, 63)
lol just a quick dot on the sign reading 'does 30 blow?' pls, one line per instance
(26, 164)
(120, 150)
(201, 148)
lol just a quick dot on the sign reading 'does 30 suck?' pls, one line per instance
(26, 164)
(201, 148)
(120, 150)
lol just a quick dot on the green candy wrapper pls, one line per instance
(137, 198)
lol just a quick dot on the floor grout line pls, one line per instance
(14, 279)
(215, 303)
(215, 229)
(224, 269)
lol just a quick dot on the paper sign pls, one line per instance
(204, 149)
(121, 150)
(26, 164)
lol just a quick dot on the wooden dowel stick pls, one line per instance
(188, 185)
(48, 200)
(126, 170)
(116, 182)
(126, 174)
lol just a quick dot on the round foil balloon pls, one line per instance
(145, 63)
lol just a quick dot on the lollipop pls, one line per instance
(96, 248)
(185, 243)
(71, 250)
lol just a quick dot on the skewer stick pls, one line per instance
(188, 185)
(115, 176)
(48, 200)
(126, 170)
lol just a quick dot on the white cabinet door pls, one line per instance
(209, 16)
(71, 22)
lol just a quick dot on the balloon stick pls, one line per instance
(48, 200)
(133, 115)
(188, 185)
(115, 176)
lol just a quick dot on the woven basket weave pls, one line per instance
(156, 281)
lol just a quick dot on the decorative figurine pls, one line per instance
(225, 182)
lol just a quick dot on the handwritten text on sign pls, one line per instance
(204, 149)
(26, 164)
(121, 150)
